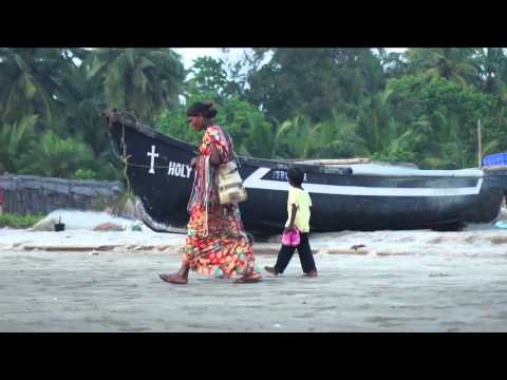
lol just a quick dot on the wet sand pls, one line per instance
(424, 290)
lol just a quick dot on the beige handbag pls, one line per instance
(230, 184)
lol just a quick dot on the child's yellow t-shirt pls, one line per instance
(303, 202)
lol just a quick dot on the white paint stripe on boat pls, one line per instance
(255, 181)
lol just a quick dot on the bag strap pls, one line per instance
(229, 141)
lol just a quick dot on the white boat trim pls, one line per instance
(255, 181)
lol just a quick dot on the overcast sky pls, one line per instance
(189, 54)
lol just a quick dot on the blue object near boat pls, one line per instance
(496, 159)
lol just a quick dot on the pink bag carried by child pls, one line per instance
(291, 238)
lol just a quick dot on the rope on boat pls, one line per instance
(125, 158)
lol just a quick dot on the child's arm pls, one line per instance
(293, 212)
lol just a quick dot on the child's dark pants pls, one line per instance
(305, 255)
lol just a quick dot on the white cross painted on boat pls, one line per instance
(152, 155)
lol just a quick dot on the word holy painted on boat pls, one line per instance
(175, 169)
(178, 169)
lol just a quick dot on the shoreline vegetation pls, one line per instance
(19, 221)
(439, 108)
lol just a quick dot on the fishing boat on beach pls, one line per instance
(357, 196)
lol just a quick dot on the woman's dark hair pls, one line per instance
(296, 176)
(202, 109)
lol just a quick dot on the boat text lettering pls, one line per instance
(179, 170)
(281, 175)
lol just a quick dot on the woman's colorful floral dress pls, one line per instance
(216, 243)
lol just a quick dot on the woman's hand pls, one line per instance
(193, 161)
(215, 159)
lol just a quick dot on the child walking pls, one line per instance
(298, 210)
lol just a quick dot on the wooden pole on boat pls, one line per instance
(479, 143)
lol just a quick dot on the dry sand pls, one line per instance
(83, 281)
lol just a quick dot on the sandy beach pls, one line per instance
(400, 281)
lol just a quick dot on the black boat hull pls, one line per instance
(159, 174)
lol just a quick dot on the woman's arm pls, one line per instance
(214, 158)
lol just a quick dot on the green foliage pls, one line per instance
(251, 132)
(314, 82)
(333, 138)
(29, 83)
(246, 124)
(296, 82)
(56, 157)
(208, 76)
(337, 137)
(14, 140)
(291, 138)
(445, 113)
(400, 148)
(85, 174)
(240, 118)
(422, 105)
(67, 89)
(137, 79)
(174, 123)
(375, 123)
(19, 221)
(259, 141)
(453, 64)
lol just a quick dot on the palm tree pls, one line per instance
(445, 146)
(492, 68)
(334, 137)
(84, 99)
(455, 64)
(29, 83)
(401, 148)
(359, 71)
(394, 64)
(292, 138)
(375, 122)
(14, 139)
(138, 79)
(56, 157)
(260, 141)
(294, 82)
